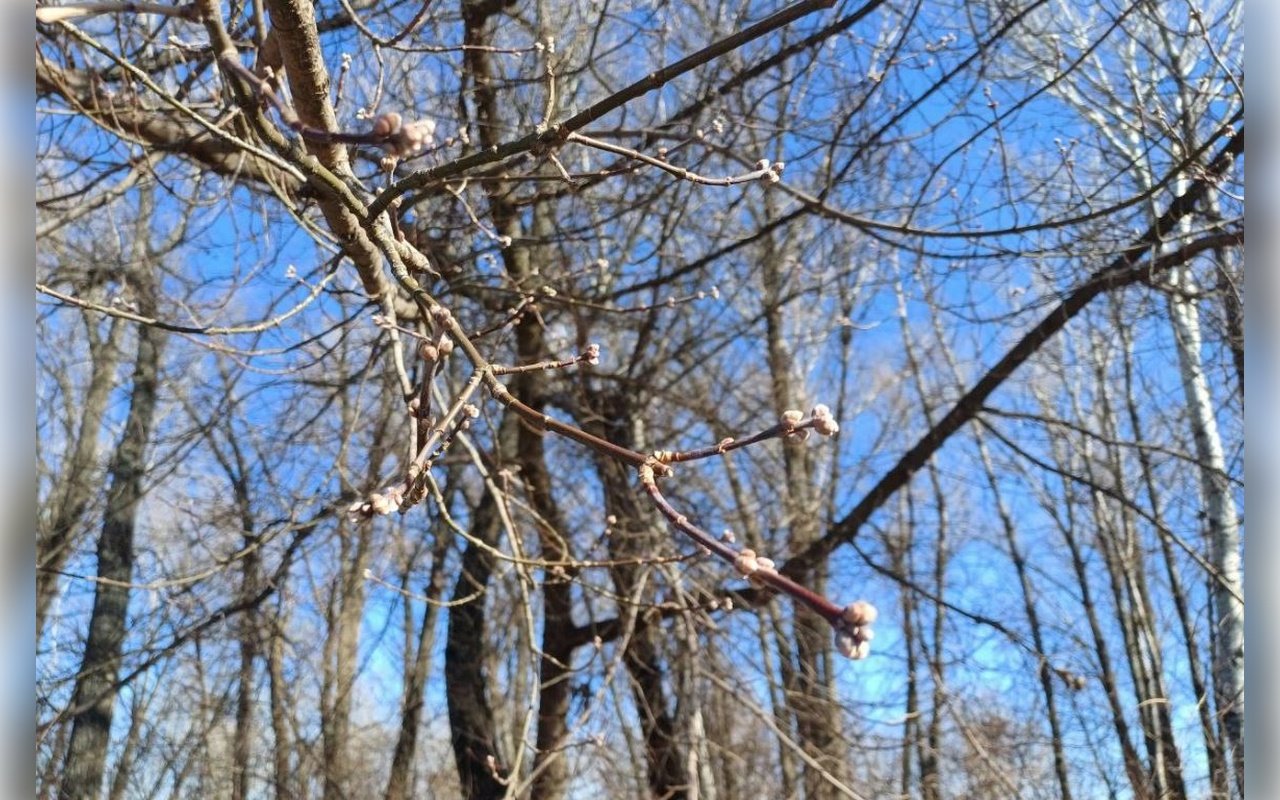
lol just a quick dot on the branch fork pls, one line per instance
(851, 624)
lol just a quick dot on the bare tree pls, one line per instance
(94, 698)
(541, 383)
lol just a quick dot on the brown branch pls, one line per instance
(294, 29)
(210, 147)
(557, 134)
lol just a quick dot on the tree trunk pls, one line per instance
(472, 727)
(1127, 560)
(399, 783)
(899, 549)
(1222, 522)
(810, 692)
(1218, 777)
(95, 690)
(556, 649)
(1133, 767)
(55, 542)
(612, 416)
(242, 743)
(281, 774)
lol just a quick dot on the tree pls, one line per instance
(541, 382)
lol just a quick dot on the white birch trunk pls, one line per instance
(1221, 518)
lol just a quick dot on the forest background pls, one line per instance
(308, 526)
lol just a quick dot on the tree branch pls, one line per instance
(1122, 271)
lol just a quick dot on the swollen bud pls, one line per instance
(387, 124)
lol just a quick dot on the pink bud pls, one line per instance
(860, 613)
(850, 645)
(387, 124)
(745, 563)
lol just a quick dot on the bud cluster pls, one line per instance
(434, 351)
(770, 171)
(400, 137)
(749, 565)
(853, 631)
(377, 504)
(820, 421)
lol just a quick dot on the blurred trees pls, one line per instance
(360, 324)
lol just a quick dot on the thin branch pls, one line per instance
(1124, 270)
(555, 135)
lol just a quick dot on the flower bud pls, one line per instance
(850, 645)
(404, 139)
(384, 504)
(823, 422)
(860, 614)
(357, 511)
(387, 124)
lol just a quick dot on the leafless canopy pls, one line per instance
(678, 400)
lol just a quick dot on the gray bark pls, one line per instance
(96, 690)
(56, 539)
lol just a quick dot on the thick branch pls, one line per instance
(160, 130)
